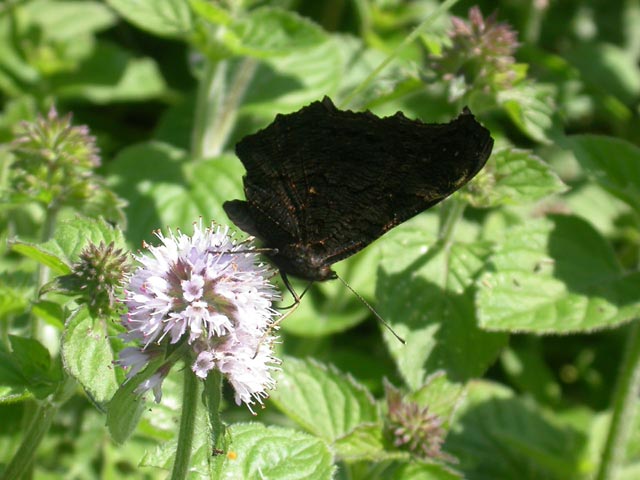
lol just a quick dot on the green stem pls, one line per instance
(217, 104)
(407, 41)
(39, 425)
(42, 272)
(624, 407)
(212, 398)
(450, 214)
(187, 425)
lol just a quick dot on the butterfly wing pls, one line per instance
(323, 183)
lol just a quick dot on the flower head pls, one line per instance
(412, 427)
(210, 292)
(480, 54)
(54, 160)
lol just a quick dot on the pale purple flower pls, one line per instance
(210, 291)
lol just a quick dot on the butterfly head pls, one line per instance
(298, 261)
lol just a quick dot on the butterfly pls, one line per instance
(323, 183)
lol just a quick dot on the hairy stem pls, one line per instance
(187, 425)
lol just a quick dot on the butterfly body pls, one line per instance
(323, 183)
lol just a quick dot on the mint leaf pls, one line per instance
(426, 293)
(497, 435)
(88, 355)
(520, 177)
(556, 275)
(165, 18)
(276, 452)
(321, 399)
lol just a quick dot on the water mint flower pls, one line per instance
(210, 292)
(413, 427)
(54, 161)
(480, 55)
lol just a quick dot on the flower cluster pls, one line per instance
(413, 428)
(54, 160)
(480, 54)
(210, 292)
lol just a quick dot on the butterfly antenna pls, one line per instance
(372, 310)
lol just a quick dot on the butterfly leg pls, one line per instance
(292, 308)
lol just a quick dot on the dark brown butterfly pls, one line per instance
(323, 183)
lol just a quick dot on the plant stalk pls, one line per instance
(217, 104)
(187, 425)
(623, 409)
(39, 424)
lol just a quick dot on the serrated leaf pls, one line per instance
(165, 18)
(519, 177)
(276, 452)
(426, 293)
(496, 435)
(556, 275)
(72, 236)
(321, 399)
(164, 189)
(88, 356)
(612, 162)
(282, 84)
(269, 31)
(531, 108)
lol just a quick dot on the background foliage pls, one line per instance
(517, 296)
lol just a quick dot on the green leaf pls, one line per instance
(426, 293)
(38, 253)
(282, 84)
(365, 443)
(531, 108)
(440, 395)
(612, 162)
(59, 19)
(276, 452)
(519, 177)
(69, 239)
(111, 74)
(166, 18)
(33, 362)
(177, 193)
(14, 294)
(496, 435)
(556, 275)
(88, 356)
(321, 399)
(50, 312)
(267, 32)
